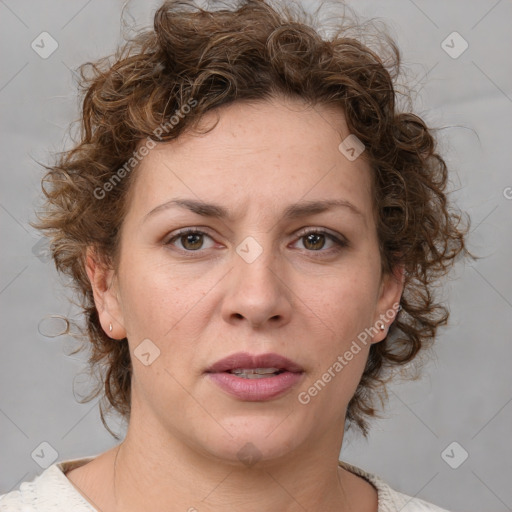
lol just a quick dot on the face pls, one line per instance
(251, 278)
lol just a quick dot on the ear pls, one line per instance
(106, 297)
(388, 305)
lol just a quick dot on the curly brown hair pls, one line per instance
(252, 51)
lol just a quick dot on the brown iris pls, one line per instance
(316, 241)
(192, 241)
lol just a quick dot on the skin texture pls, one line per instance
(300, 299)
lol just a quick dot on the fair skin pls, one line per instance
(305, 298)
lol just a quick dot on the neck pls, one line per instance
(182, 479)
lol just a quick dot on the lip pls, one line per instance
(255, 390)
(246, 360)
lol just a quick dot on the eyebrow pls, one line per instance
(293, 211)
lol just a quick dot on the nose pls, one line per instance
(257, 294)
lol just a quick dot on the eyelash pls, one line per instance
(340, 243)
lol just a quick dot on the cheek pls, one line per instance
(160, 299)
(338, 356)
(345, 302)
(346, 307)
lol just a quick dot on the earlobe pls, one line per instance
(104, 288)
(391, 289)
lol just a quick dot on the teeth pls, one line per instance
(254, 373)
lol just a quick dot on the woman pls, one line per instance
(255, 230)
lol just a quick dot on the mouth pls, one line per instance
(256, 373)
(255, 377)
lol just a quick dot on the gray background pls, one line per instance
(465, 395)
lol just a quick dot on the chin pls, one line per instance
(256, 438)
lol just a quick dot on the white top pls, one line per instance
(51, 491)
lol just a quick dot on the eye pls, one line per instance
(191, 239)
(315, 241)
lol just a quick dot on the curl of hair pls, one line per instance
(252, 52)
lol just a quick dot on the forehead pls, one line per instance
(261, 155)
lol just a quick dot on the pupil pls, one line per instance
(315, 239)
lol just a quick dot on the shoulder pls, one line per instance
(50, 491)
(389, 499)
